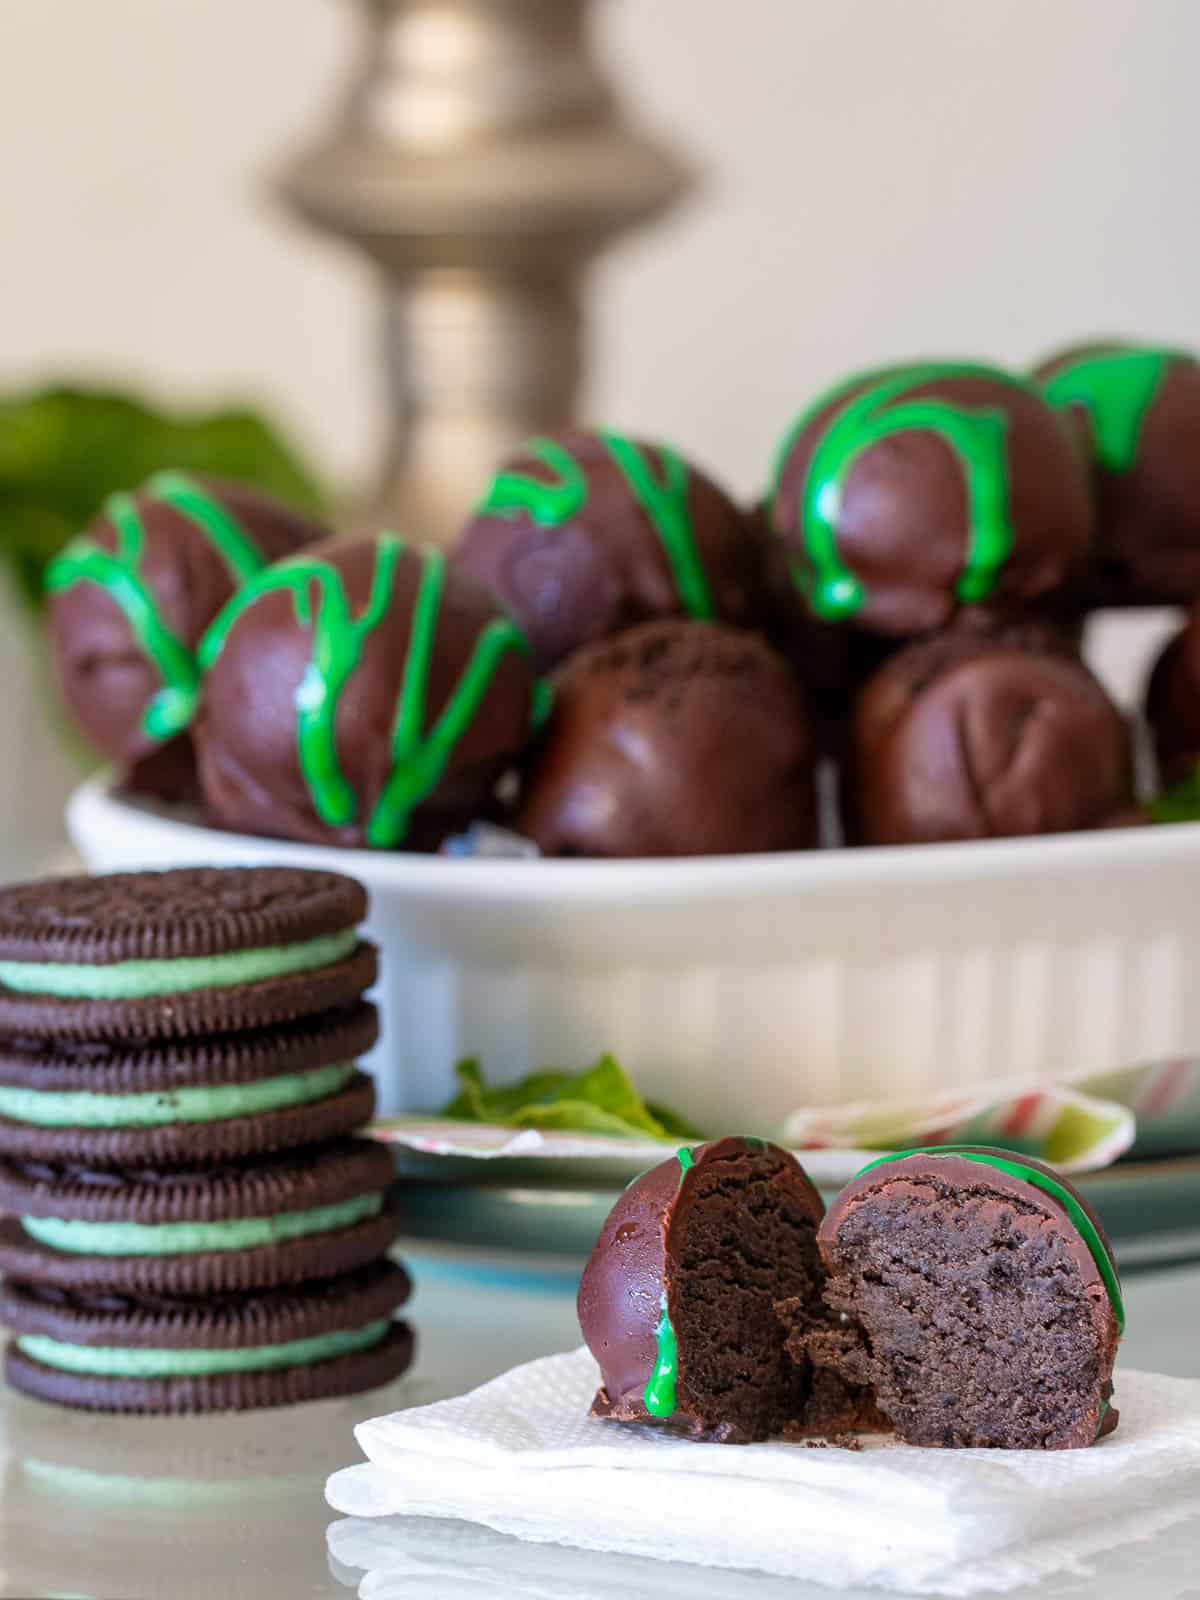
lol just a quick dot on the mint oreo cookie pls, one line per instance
(101, 1352)
(221, 1098)
(282, 1219)
(159, 955)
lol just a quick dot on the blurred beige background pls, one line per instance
(886, 177)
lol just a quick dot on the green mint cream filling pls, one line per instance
(181, 1238)
(116, 1362)
(159, 1108)
(134, 980)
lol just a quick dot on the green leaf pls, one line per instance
(63, 451)
(602, 1099)
(1180, 803)
(676, 1126)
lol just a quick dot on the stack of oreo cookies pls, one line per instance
(189, 1224)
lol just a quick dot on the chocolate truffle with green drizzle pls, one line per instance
(131, 597)
(676, 1302)
(586, 533)
(981, 1299)
(905, 494)
(363, 694)
(1137, 408)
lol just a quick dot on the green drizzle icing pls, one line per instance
(1116, 388)
(662, 495)
(977, 434)
(419, 757)
(240, 553)
(1048, 1185)
(549, 504)
(666, 504)
(659, 1394)
(119, 572)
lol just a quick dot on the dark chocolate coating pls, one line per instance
(674, 739)
(717, 1276)
(832, 660)
(972, 1173)
(1173, 704)
(106, 677)
(1148, 515)
(606, 568)
(945, 1330)
(975, 736)
(246, 729)
(620, 1294)
(903, 525)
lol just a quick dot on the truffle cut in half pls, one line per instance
(677, 1302)
(979, 1299)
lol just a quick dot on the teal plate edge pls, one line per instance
(1150, 1209)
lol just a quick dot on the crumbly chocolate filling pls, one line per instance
(967, 1313)
(743, 1241)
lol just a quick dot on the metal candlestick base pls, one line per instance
(479, 158)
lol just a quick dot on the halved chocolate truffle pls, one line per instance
(905, 494)
(587, 532)
(674, 739)
(130, 599)
(985, 735)
(362, 694)
(677, 1301)
(1137, 408)
(980, 1297)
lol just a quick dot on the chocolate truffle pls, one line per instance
(1138, 409)
(980, 1297)
(832, 660)
(1173, 704)
(361, 694)
(586, 533)
(130, 599)
(677, 1300)
(984, 735)
(674, 739)
(904, 494)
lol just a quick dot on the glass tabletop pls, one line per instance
(144, 1508)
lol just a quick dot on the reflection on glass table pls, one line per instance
(141, 1508)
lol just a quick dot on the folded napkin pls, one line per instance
(953, 1522)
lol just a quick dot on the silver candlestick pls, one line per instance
(479, 157)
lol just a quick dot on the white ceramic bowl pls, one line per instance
(741, 988)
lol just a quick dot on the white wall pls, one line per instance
(885, 177)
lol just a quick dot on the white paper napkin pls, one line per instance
(520, 1455)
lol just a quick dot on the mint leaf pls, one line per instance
(63, 451)
(1180, 803)
(601, 1099)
